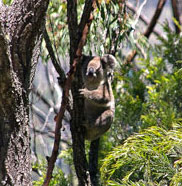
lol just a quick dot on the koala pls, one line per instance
(99, 104)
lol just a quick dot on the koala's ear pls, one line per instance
(110, 60)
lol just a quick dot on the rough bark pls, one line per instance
(20, 38)
(79, 156)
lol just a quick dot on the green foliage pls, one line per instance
(113, 27)
(152, 156)
(57, 179)
(7, 2)
(148, 92)
(148, 101)
(57, 28)
(162, 106)
(170, 49)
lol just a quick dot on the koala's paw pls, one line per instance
(83, 91)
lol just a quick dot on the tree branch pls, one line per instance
(143, 18)
(176, 14)
(149, 29)
(73, 27)
(78, 32)
(57, 66)
(154, 19)
(76, 46)
(60, 116)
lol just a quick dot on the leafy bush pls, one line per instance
(149, 102)
(151, 157)
(149, 92)
(170, 49)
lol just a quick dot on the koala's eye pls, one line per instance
(109, 74)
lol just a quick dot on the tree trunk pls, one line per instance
(78, 34)
(20, 37)
(79, 156)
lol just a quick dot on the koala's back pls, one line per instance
(99, 115)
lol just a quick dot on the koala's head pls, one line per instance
(97, 70)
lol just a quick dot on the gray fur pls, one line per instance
(99, 102)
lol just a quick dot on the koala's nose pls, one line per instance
(91, 72)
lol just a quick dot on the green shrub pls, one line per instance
(149, 92)
(151, 157)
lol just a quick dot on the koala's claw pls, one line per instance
(82, 91)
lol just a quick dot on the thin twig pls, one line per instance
(138, 13)
(149, 29)
(41, 114)
(57, 66)
(46, 119)
(1, 3)
(137, 16)
(60, 116)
